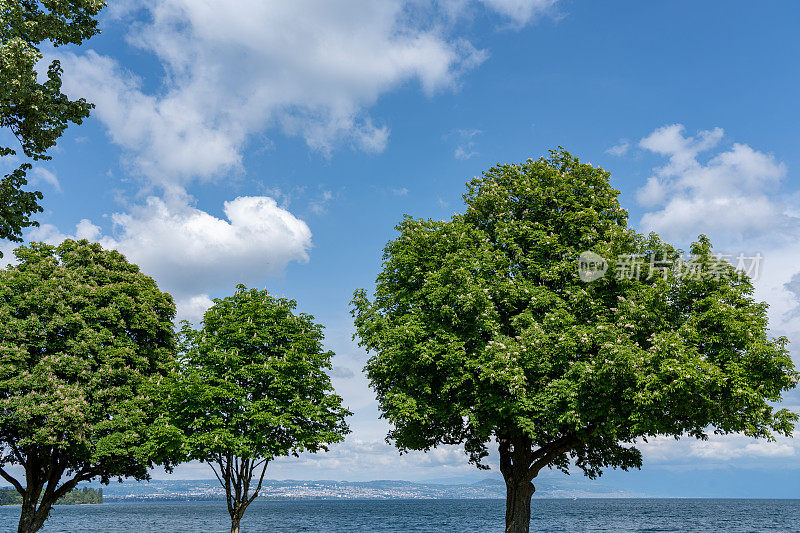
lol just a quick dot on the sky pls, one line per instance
(277, 144)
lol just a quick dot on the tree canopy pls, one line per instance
(481, 329)
(35, 110)
(253, 386)
(85, 338)
(86, 495)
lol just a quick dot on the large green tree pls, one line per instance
(85, 338)
(32, 106)
(252, 387)
(481, 328)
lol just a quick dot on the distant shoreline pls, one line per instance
(57, 503)
(564, 498)
(204, 490)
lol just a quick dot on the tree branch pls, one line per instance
(215, 473)
(554, 449)
(246, 475)
(8, 477)
(544, 450)
(53, 474)
(504, 447)
(225, 469)
(17, 454)
(237, 485)
(260, 481)
(65, 487)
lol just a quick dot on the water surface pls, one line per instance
(462, 516)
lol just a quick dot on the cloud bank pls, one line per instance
(732, 193)
(309, 68)
(191, 253)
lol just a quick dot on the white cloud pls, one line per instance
(730, 195)
(193, 308)
(718, 448)
(168, 138)
(309, 67)
(464, 151)
(669, 140)
(7, 249)
(653, 193)
(319, 205)
(342, 372)
(86, 230)
(42, 175)
(360, 459)
(620, 149)
(49, 234)
(190, 252)
(521, 11)
(186, 248)
(465, 142)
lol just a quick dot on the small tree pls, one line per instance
(35, 112)
(481, 328)
(253, 387)
(84, 338)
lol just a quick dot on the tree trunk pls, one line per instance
(518, 506)
(32, 519)
(26, 518)
(515, 463)
(236, 511)
(235, 475)
(520, 464)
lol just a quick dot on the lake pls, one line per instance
(463, 516)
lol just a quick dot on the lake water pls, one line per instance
(463, 516)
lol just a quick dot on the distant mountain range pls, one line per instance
(338, 490)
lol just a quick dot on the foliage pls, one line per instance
(253, 387)
(35, 111)
(82, 496)
(84, 340)
(481, 328)
(86, 495)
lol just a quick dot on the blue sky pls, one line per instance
(277, 144)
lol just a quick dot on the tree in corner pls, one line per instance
(481, 328)
(253, 387)
(84, 340)
(35, 111)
